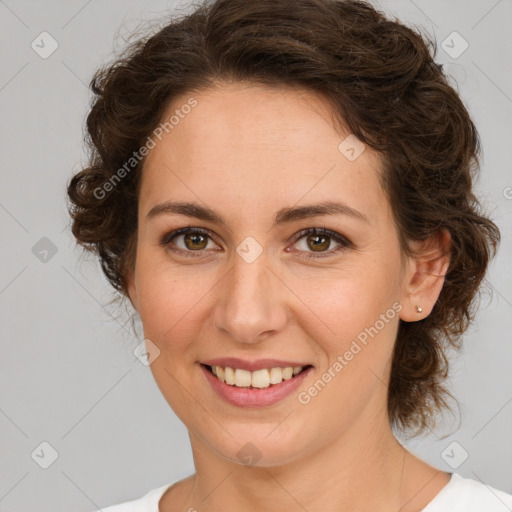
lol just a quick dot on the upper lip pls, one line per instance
(252, 366)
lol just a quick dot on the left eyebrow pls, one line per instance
(283, 216)
(286, 215)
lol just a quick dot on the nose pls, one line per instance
(250, 304)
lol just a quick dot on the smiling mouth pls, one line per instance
(259, 379)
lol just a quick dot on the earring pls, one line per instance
(419, 309)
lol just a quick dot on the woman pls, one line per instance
(283, 190)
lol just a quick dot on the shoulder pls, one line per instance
(147, 503)
(467, 495)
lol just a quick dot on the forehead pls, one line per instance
(258, 148)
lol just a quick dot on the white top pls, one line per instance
(459, 495)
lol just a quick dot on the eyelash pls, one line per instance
(344, 242)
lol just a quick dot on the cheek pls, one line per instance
(356, 333)
(334, 305)
(346, 300)
(353, 316)
(171, 301)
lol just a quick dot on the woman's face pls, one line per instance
(253, 288)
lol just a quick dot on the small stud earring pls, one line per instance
(419, 309)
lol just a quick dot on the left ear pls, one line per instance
(425, 276)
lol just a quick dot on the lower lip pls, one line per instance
(254, 397)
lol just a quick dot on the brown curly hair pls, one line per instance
(383, 84)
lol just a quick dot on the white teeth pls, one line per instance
(276, 375)
(229, 375)
(260, 379)
(242, 378)
(257, 379)
(287, 372)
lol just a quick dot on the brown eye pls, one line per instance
(187, 241)
(195, 241)
(318, 243)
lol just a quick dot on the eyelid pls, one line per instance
(344, 242)
(165, 241)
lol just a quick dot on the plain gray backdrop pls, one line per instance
(73, 397)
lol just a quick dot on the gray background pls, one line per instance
(68, 375)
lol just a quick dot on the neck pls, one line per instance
(359, 470)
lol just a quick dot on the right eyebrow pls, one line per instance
(188, 209)
(284, 215)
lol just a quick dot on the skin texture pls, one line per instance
(247, 151)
